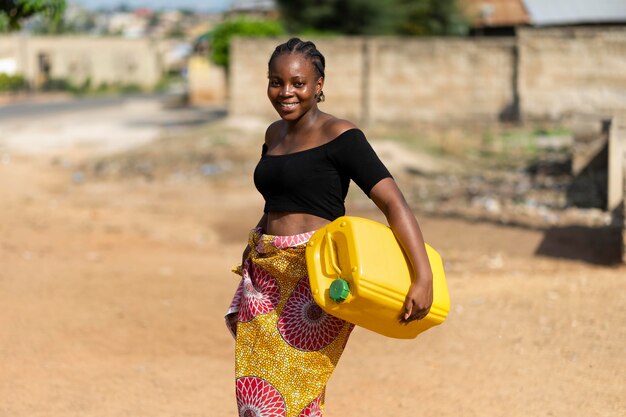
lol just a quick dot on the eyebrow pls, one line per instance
(296, 77)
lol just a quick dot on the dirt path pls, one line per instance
(112, 294)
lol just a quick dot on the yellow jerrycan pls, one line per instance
(359, 273)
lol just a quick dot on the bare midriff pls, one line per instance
(281, 223)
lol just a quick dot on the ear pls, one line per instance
(319, 86)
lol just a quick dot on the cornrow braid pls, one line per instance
(308, 50)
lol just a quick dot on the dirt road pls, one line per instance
(112, 294)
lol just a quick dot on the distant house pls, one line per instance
(253, 8)
(576, 12)
(130, 25)
(495, 17)
(504, 17)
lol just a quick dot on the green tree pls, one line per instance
(224, 32)
(430, 17)
(374, 17)
(353, 17)
(13, 12)
(12, 83)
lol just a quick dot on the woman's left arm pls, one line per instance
(389, 199)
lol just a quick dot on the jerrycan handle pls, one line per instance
(331, 254)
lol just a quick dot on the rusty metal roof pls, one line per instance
(495, 13)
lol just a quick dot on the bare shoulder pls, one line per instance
(334, 127)
(273, 132)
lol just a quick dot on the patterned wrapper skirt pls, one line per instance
(286, 346)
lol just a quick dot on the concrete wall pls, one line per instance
(541, 74)
(572, 70)
(247, 80)
(103, 60)
(439, 79)
(345, 76)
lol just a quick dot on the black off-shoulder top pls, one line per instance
(316, 180)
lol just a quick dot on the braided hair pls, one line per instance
(308, 50)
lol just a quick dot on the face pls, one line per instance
(293, 85)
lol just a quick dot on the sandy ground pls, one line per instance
(112, 295)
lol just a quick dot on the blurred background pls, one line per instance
(128, 136)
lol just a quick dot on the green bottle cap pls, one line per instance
(339, 290)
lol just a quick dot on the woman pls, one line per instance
(286, 346)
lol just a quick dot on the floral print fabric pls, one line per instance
(286, 346)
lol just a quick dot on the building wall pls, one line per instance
(11, 53)
(572, 70)
(102, 60)
(541, 74)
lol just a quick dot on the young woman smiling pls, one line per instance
(286, 346)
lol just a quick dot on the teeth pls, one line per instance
(288, 104)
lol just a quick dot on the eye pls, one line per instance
(274, 83)
(298, 84)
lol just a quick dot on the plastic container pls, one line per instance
(359, 273)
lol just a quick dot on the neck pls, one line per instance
(305, 122)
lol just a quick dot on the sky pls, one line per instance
(204, 5)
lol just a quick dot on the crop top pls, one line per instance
(315, 181)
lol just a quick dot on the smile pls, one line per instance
(289, 105)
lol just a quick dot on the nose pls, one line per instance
(285, 90)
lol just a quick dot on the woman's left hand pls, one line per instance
(418, 301)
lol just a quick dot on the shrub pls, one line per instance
(12, 83)
(56, 84)
(225, 31)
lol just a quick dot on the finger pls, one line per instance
(420, 315)
(408, 310)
